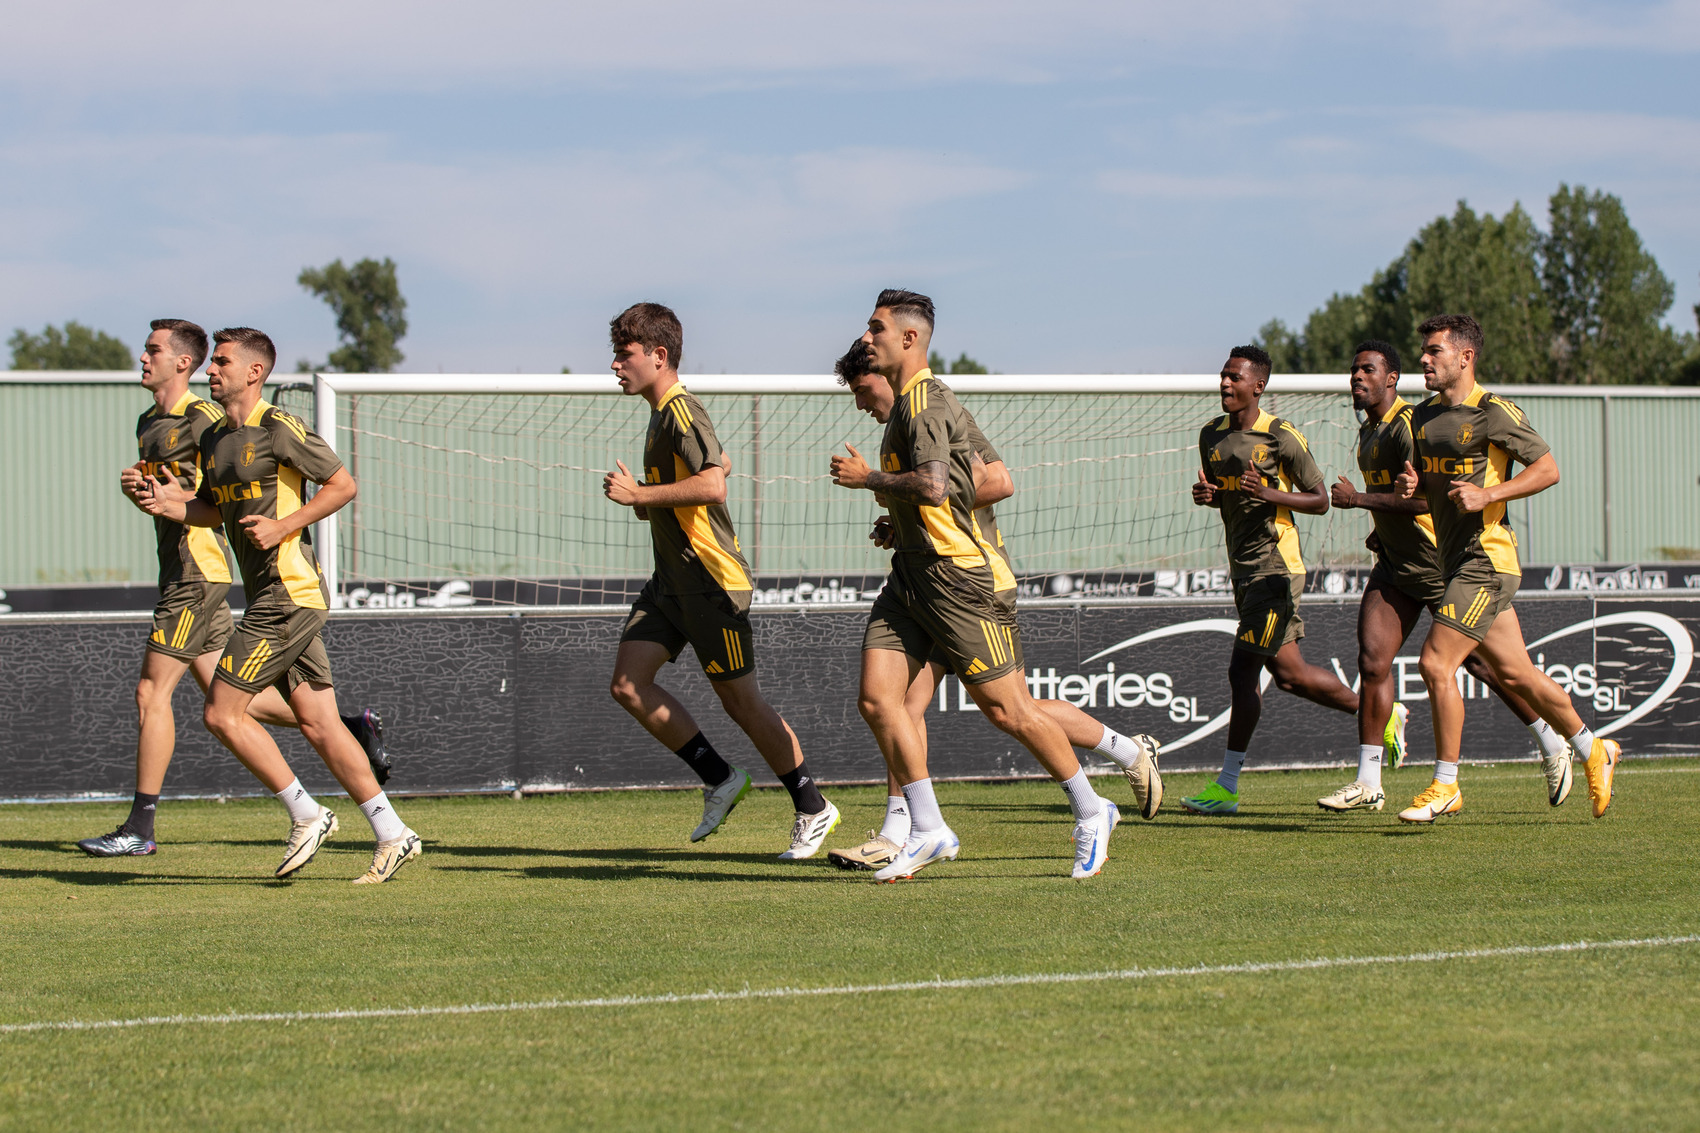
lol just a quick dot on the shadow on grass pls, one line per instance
(96, 876)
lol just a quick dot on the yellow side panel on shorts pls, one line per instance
(299, 577)
(694, 520)
(1498, 541)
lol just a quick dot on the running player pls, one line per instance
(191, 621)
(1466, 439)
(700, 593)
(1135, 755)
(1406, 579)
(940, 597)
(1257, 469)
(254, 465)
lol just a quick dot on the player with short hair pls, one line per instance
(191, 620)
(940, 596)
(1257, 470)
(1408, 576)
(700, 592)
(254, 467)
(1466, 440)
(1135, 755)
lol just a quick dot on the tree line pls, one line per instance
(1579, 304)
(365, 298)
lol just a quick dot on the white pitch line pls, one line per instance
(1250, 968)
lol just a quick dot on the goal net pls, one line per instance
(489, 489)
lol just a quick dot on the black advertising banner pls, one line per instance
(490, 701)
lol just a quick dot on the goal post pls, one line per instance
(494, 481)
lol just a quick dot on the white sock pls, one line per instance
(386, 824)
(1230, 776)
(1082, 799)
(1117, 748)
(896, 819)
(1551, 743)
(302, 806)
(1369, 764)
(924, 816)
(1445, 772)
(1582, 743)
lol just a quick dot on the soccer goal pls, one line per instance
(487, 488)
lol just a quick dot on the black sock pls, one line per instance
(705, 761)
(805, 796)
(140, 822)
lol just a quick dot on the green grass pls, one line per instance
(599, 895)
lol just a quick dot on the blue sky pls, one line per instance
(1081, 187)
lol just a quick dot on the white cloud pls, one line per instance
(312, 46)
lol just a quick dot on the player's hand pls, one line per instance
(1342, 494)
(1372, 542)
(132, 481)
(884, 536)
(1468, 497)
(641, 512)
(850, 471)
(1406, 482)
(165, 498)
(620, 486)
(262, 532)
(1252, 486)
(1203, 492)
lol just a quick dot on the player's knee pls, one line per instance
(151, 696)
(219, 720)
(1374, 670)
(878, 711)
(1436, 672)
(625, 692)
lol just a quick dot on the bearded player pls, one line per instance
(940, 597)
(1407, 578)
(1466, 439)
(1135, 755)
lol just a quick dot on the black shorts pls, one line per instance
(277, 643)
(1474, 597)
(938, 611)
(1269, 612)
(716, 624)
(1423, 588)
(191, 619)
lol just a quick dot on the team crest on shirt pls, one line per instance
(1375, 451)
(1260, 454)
(1464, 435)
(247, 455)
(171, 441)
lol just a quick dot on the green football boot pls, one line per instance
(1214, 799)
(1393, 738)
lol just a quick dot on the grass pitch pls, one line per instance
(573, 897)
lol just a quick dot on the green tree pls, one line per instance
(1490, 269)
(76, 347)
(962, 365)
(1581, 303)
(1607, 295)
(369, 309)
